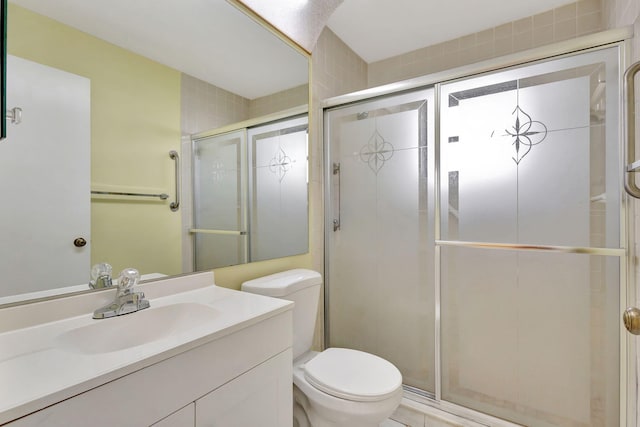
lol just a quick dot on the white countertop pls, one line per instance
(37, 371)
(64, 290)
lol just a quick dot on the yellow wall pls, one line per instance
(232, 277)
(135, 122)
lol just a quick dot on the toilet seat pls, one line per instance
(353, 375)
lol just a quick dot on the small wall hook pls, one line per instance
(15, 114)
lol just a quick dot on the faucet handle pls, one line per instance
(100, 276)
(128, 278)
(126, 301)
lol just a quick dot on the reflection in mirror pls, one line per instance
(219, 184)
(250, 194)
(114, 87)
(278, 189)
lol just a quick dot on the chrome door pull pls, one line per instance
(336, 172)
(631, 164)
(631, 319)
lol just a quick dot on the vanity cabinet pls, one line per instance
(241, 379)
(260, 397)
(182, 417)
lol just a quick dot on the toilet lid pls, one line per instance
(353, 375)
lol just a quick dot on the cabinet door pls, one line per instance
(259, 397)
(184, 417)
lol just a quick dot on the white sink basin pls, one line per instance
(142, 327)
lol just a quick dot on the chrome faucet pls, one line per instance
(126, 301)
(100, 276)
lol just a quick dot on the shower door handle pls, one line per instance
(631, 164)
(336, 172)
(631, 319)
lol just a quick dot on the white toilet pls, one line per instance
(337, 387)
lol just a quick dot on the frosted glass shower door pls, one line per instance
(380, 248)
(531, 244)
(219, 181)
(278, 193)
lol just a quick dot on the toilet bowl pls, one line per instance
(338, 386)
(362, 391)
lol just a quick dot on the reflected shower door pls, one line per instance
(380, 247)
(219, 181)
(530, 244)
(278, 189)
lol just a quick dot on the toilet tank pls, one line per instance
(303, 288)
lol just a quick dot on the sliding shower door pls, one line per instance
(219, 202)
(380, 248)
(278, 182)
(250, 194)
(531, 244)
(507, 300)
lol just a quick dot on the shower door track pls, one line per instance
(611, 38)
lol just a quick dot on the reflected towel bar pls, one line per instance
(174, 206)
(162, 196)
(206, 231)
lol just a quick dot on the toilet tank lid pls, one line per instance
(283, 283)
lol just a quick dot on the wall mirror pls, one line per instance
(106, 90)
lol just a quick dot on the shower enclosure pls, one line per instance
(475, 239)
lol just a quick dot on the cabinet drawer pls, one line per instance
(261, 397)
(185, 417)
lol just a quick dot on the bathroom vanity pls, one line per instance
(200, 355)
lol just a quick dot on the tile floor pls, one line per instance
(391, 423)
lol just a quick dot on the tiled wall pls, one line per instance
(279, 102)
(336, 69)
(205, 106)
(576, 19)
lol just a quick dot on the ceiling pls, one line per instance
(380, 29)
(213, 41)
(208, 39)
(301, 20)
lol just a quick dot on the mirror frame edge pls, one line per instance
(269, 26)
(3, 68)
